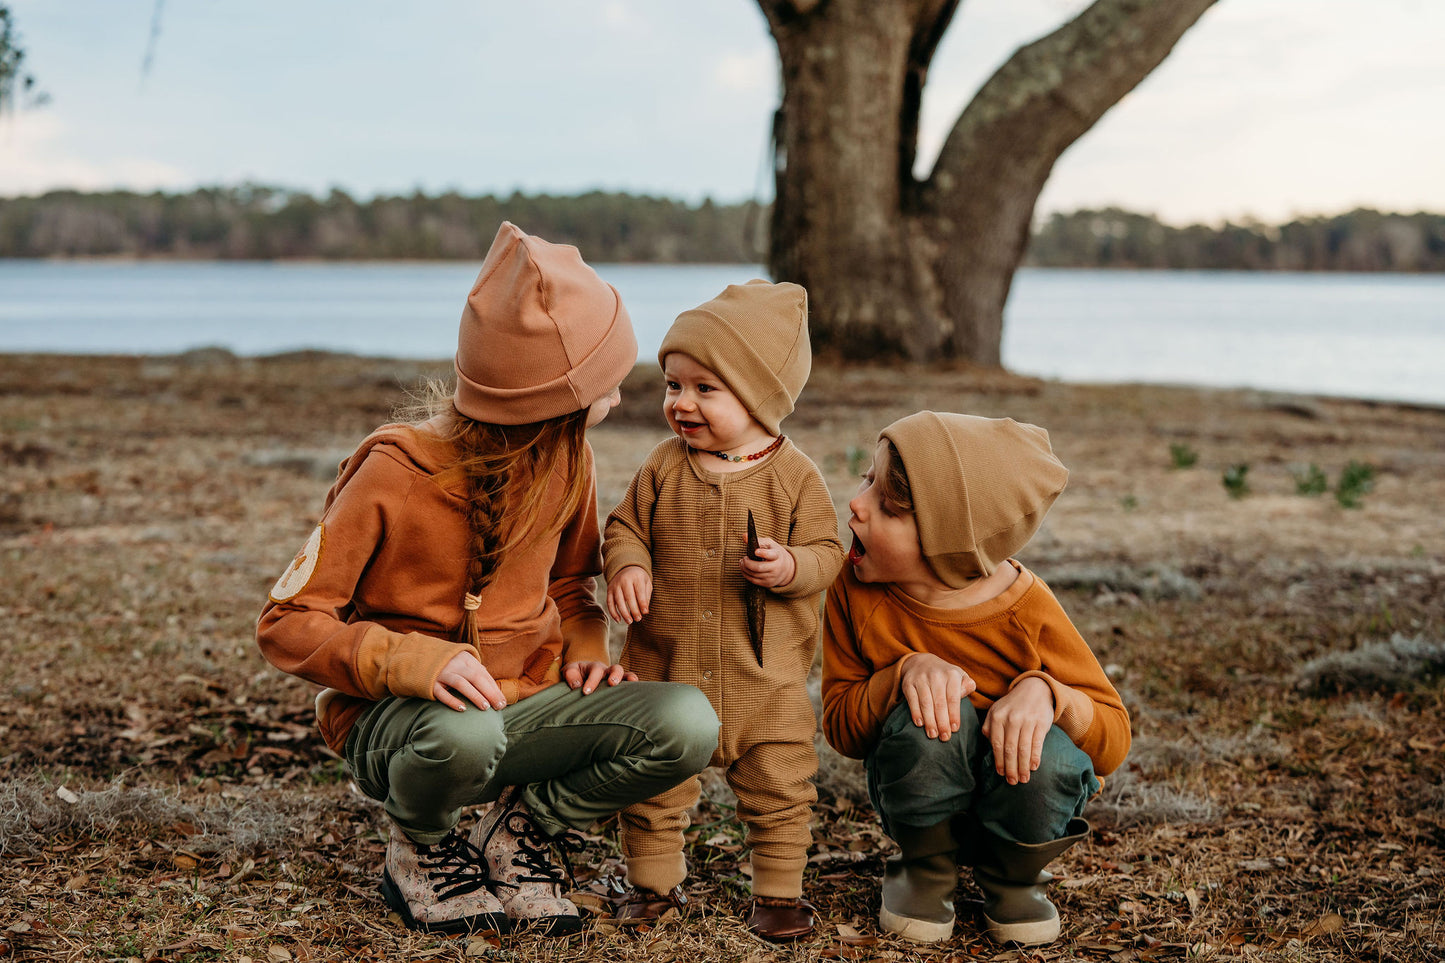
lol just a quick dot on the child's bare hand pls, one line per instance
(934, 690)
(775, 570)
(1016, 726)
(465, 678)
(586, 675)
(629, 593)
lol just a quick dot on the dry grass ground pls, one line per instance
(163, 796)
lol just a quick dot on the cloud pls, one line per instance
(617, 14)
(751, 71)
(34, 159)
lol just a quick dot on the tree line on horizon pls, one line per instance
(252, 222)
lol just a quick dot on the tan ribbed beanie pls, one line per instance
(981, 487)
(541, 336)
(754, 337)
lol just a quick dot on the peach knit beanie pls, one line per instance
(754, 337)
(541, 336)
(981, 487)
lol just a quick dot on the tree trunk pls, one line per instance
(900, 268)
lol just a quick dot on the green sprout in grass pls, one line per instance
(1310, 480)
(1182, 456)
(1234, 481)
(1356, 480)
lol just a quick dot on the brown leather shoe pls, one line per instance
(643, 905)
(781, 920)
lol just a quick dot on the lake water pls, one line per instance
(1366, 336)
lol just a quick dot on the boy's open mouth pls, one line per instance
(688, 425)
(856, 551)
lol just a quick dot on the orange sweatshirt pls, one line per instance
(372, 604)
(869, 631)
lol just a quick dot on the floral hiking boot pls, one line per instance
(441, 888)
(524, 875)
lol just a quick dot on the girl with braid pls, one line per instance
(445, 603)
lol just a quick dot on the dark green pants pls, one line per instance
(915, 781)
(579, 757)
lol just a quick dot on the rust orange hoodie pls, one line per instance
(371, 605)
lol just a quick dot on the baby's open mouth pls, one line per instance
(856, 551)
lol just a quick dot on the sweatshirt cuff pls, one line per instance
(885, 693)
(586, 642)
(805, 575)
(401, 664)
(616, 559)
(1073, 711)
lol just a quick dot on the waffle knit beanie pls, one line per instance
(541, 336)
(754, 337)
(981, 487)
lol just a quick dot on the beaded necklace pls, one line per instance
(754, 456)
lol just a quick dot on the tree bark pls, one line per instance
(901, 268)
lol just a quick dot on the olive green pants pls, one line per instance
(580, 757)
(916, 782)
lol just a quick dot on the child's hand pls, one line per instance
(1016, 726)
(775, 570)
(464, 677)
(629, 593)
(586, 675)
(934, 690)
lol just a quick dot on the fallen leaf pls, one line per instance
(67, 796)
(482, 946)
(853, 937)
(592, 902)
(278, 953)
(1325, 925)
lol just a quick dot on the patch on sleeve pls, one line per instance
(296, 577)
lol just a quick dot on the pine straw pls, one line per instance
(1284, 799)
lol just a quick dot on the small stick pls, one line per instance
(755, 596)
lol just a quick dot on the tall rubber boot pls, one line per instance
(1011, 875)
(918, 884)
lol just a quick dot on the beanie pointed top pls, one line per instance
(541, 334)
(981, 488)
(754, 337)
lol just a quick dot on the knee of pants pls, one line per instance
(906, 748)
(1040, 809)
(686, 727)
(468, 743)
(1065, 769)
(916, 781)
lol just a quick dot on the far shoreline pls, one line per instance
(646, 374)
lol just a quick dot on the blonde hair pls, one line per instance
(506, 469)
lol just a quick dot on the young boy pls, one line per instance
(699, 610)
(983, 719)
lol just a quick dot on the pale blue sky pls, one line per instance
(1267, 108)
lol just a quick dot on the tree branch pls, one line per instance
(1051, 92)
(782, 14)
(930, 23)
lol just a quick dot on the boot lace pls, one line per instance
(534, 850)
(454, 866)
